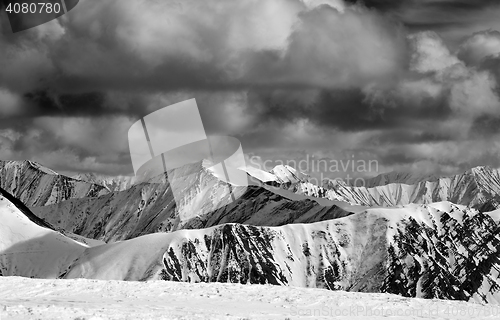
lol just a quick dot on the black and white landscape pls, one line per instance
(369, 132)
(440, 244)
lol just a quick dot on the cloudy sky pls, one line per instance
(413, 84)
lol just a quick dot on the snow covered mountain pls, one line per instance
(36, 185)
(288, 175)
(112, 183)
(478, 187)
(150, 207)
(111, 209)
(440, 250)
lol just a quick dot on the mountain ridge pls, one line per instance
(427, 251)
(36, 185)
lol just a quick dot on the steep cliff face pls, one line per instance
(323, 255)
(440, 250)
(455, 256)
(36, 185)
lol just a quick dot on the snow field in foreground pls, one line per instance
(24, 298)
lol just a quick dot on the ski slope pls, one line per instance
(31, 250)
(22, 299)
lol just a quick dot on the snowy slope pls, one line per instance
(431, 251)
(36, 185)
(495, 215)
(260, 175)
(22, 299)
(30, 249)
(288, 175)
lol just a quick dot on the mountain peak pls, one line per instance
(37, 166)
(288, 174)
(481, 169)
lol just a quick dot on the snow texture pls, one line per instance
(22, 299)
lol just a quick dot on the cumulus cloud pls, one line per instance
(71, 144)
(174, 45)
(330, 49)
(95, 136)
(462, 103)
(479, 46)
(7, 139)
(439, 76)
(476, 94)
(430, 54)
(470, 92)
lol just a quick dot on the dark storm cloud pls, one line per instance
(408, 155)
(397, 156)
(454, 19)
(351, 111)
(346, 110)
(492, 65)
(282, 73)
(388, 5)
(73, 144)
(294, 51)
(402, 136)
(485, 127)
(107, 47)
(343, 57)
(43, 103)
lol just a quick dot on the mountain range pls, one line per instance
(432, 237)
